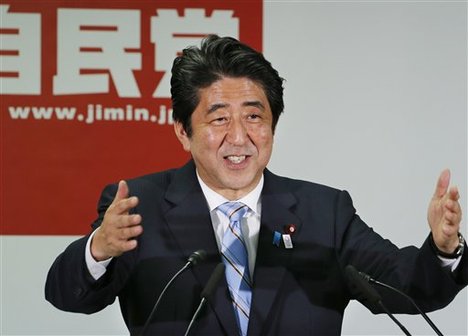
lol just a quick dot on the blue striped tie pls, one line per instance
(234, 255)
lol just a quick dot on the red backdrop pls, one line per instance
(62, 141)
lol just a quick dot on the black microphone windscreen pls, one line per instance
(197, 257)
(362, 285)
(210, 286)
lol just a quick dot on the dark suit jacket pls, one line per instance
(299, 291)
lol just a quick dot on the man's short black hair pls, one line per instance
(219, 57)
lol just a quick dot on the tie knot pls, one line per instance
(233, 210)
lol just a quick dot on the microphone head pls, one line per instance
(364, 288)
(210, 286)
(197, 257)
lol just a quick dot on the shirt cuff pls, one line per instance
(96, 268)
(452, 263)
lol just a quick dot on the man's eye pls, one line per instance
(254, 116)
(219, 120)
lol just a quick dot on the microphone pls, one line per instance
(193, 260)
(207, 292)
(196, 257)
(369, 279)
(369, 292)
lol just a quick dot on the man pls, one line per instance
(227, 100)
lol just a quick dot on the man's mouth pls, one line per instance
(236, 159)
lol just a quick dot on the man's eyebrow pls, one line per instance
(255, 103)
(216, 107)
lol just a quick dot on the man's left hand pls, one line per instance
(444, 214)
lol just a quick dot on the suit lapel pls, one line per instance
(272, 261)
(188, 215)
(190, 223)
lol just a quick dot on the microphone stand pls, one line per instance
(428, 320)
(207, 292)
(194, 259)
(370, 293)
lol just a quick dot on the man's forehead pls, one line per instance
(242, 90)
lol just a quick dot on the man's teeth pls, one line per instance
(236, 159)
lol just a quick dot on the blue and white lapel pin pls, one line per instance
(289, 230)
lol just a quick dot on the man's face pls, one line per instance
(232, 136)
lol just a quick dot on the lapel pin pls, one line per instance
(290, 229)
(276, 238)
(285, 237)
(287, 241)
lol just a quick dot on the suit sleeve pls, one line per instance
(416, 271)
(70, 286)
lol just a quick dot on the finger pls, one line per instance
(125, 245)
(454, 194)
(453, 206)
(123, 206)
(122, 191)
(124, 221)
(442, 183)
(130, 244)
(130, 232)
(450, 218)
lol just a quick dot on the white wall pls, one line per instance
(375, 104)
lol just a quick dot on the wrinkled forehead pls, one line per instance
(242, 90)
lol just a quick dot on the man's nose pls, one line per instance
(237, 132)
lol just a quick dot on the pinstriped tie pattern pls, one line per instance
(234, 255)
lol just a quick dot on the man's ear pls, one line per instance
(182, 135)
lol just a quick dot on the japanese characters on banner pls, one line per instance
(85, 99)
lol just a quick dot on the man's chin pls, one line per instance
(240, 184)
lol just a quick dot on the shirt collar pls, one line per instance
(252, 199)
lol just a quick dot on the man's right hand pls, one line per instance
(118, 229)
